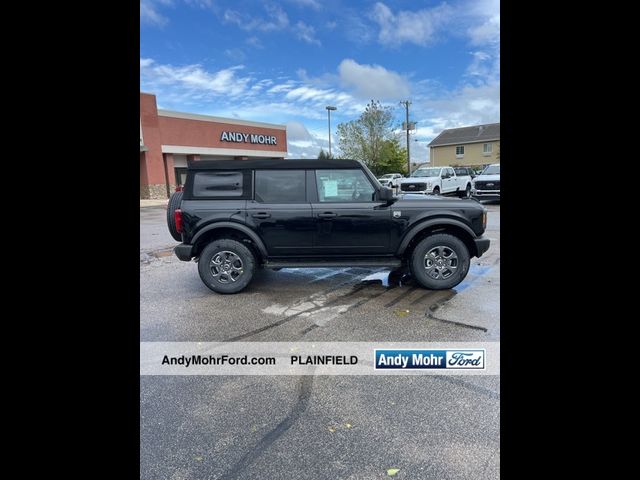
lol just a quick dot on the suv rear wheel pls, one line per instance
(226, 266)
(440, 261)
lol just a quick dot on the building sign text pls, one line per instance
(240, 137)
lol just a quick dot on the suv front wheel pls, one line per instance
(226, 266)
(440, 261)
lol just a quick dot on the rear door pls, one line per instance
(348, 220)
(280, 212)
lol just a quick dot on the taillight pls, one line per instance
(178, 217)
(179, 188)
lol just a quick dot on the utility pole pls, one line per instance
(329, 110)
(406, 104)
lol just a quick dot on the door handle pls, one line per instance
(327, 215)
(261, 215)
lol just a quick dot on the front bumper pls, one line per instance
(183, 252)
(486, 194)
(482, 245)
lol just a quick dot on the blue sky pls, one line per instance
(283, 62)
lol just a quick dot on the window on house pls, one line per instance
(460, 151)
(487, 148)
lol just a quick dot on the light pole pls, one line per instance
(406, 104)
(329, 109)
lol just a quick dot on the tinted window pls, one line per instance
(343, 186)
(218, 184)
(450, 172)
(280, 186)
(461, 171)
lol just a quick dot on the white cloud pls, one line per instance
(275, 20)
(420, 27)
(297, 132)
(254, 42)
(306, 32)
(236, 54)
(468, 105)
(191, 81)
(372, 81)
(307, 3)
(486, 33)
(149, 13)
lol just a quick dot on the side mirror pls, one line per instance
(385, 194)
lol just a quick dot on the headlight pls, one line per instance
(473, 184)
(428, 185)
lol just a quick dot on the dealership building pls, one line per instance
(168, 140)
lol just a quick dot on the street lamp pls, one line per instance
(329, 109)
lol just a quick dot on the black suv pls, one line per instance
(235, 216)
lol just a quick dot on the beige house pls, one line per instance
(466, 146)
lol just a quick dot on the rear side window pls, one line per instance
(280, 186)
(219, 184)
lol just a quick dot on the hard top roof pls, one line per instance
(271, 164)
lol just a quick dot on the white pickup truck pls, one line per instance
(437, 181)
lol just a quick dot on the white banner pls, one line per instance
(319, 358)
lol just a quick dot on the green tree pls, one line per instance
(324, 155)
(393, 158)
(368, 138)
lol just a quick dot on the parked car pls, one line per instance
(234, 217)
(391, 180)
(486, 186)
(437, 181)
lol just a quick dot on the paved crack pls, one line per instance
(304, 394)
(466, 325)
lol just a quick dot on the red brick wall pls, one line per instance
(152, 139)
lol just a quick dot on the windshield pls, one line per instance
(426, 172)
(492, 170)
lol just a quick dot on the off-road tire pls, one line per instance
(226, 266)
(424, 265)
(172, 206)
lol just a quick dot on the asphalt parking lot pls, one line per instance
(313, 427)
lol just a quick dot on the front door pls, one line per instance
(280, 212)
(348, 219)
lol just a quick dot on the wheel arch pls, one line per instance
(229, 230)
(440, 225)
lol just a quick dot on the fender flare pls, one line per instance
(236, 226)
(416, 229)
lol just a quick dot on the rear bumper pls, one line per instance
(482, 245)
(184, 252)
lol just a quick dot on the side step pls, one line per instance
(337, 262)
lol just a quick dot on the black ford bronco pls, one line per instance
(234, 216)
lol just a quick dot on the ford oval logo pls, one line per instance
(412, 186)
(489, 184)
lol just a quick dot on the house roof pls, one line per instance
(475, 134)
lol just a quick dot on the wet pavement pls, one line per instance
(295, 427)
